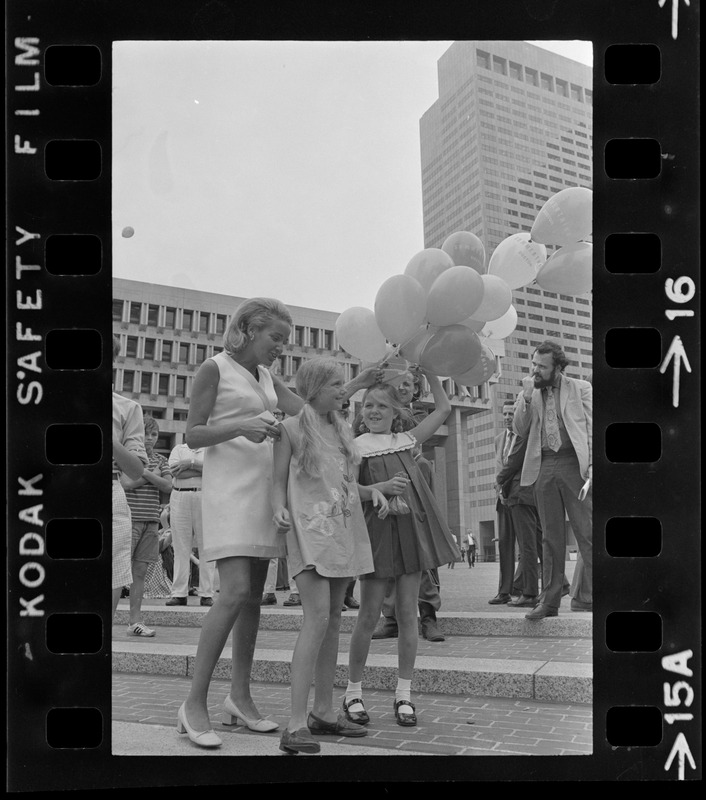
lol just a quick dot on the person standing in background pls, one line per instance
(186, 465)
(555, 414)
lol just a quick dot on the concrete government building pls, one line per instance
(511, 128)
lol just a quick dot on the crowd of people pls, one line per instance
(269, 477)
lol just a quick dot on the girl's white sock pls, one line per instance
(403, 690)
(354, 691)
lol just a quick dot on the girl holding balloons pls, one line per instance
(411, 538)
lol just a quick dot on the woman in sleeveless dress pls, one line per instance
(230, 414)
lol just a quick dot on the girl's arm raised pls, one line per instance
(442, 407)
(287, 401)
(282, 455)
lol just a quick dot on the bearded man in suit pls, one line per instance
(555, 414)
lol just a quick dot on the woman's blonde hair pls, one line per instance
(256, 313)
(312, 377)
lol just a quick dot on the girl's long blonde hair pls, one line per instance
(311, 378)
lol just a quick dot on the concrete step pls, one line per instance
(546, 669)
(510, 622)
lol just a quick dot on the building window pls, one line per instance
(180, 386)
(183, 353)
(166, 351)
(149, 348)
(532, 76)
(163, 384)
(562, 88)
(482, 59)
(117, 310)
(170, 318)
(203, 322)
(220, 323)
(328, 340)
(152, 315)
(576, 93)
(589, 96)
(128, 381)
(135, 309)
(146, 383)
(200, 353)
(499, 65)
(180, 415)
(131, 349)
(515, 71)
(187, 320)
(314, 337)
(299, 335)
(546, 82)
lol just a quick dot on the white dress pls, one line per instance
(237, 474)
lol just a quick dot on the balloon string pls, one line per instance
(396, 348)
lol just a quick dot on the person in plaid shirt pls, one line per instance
(143, 498)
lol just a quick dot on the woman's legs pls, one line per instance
(325, 674)
(407, 592)
(244, 639)
(217, 624)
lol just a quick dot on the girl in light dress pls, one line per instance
(316, 504)
(408, 540)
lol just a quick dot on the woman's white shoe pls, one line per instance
(233, 716)
(202, 738)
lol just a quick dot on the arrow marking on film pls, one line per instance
(680, 749)
(676, 349)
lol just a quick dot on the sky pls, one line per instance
(279, 169)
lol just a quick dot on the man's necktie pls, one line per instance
(508, 446)
(551, 423)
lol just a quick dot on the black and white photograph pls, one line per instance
(348, 279)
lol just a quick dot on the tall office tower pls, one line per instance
(511, 128)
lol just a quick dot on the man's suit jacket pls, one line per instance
(508, 476)
(576, 407)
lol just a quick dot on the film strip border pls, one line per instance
(647, 423)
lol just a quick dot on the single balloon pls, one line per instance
(454, 296)
(517, 259)
(466, 250)
(501, 327)
(128, 232)
(400, 307)
(497, 298)
(427, 265)
(451, 350)
(482, 371)
(566, 218)
(568, 271)
(359, 335)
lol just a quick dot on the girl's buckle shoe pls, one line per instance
(406, 720)
(359, 717)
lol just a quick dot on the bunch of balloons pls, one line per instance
(441, 312)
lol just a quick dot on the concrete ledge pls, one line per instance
(570, 625)
(539, 680)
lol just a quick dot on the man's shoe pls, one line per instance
(577, 605)
(523, 601)
(125, 592)
(542, 611)
(351, 602)
(206, 601)
(176, 601)
(138, 629)
(500, 599)
(387, 629)
(430, 630)
(193, 592)
(268, 599)
(293, 600)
